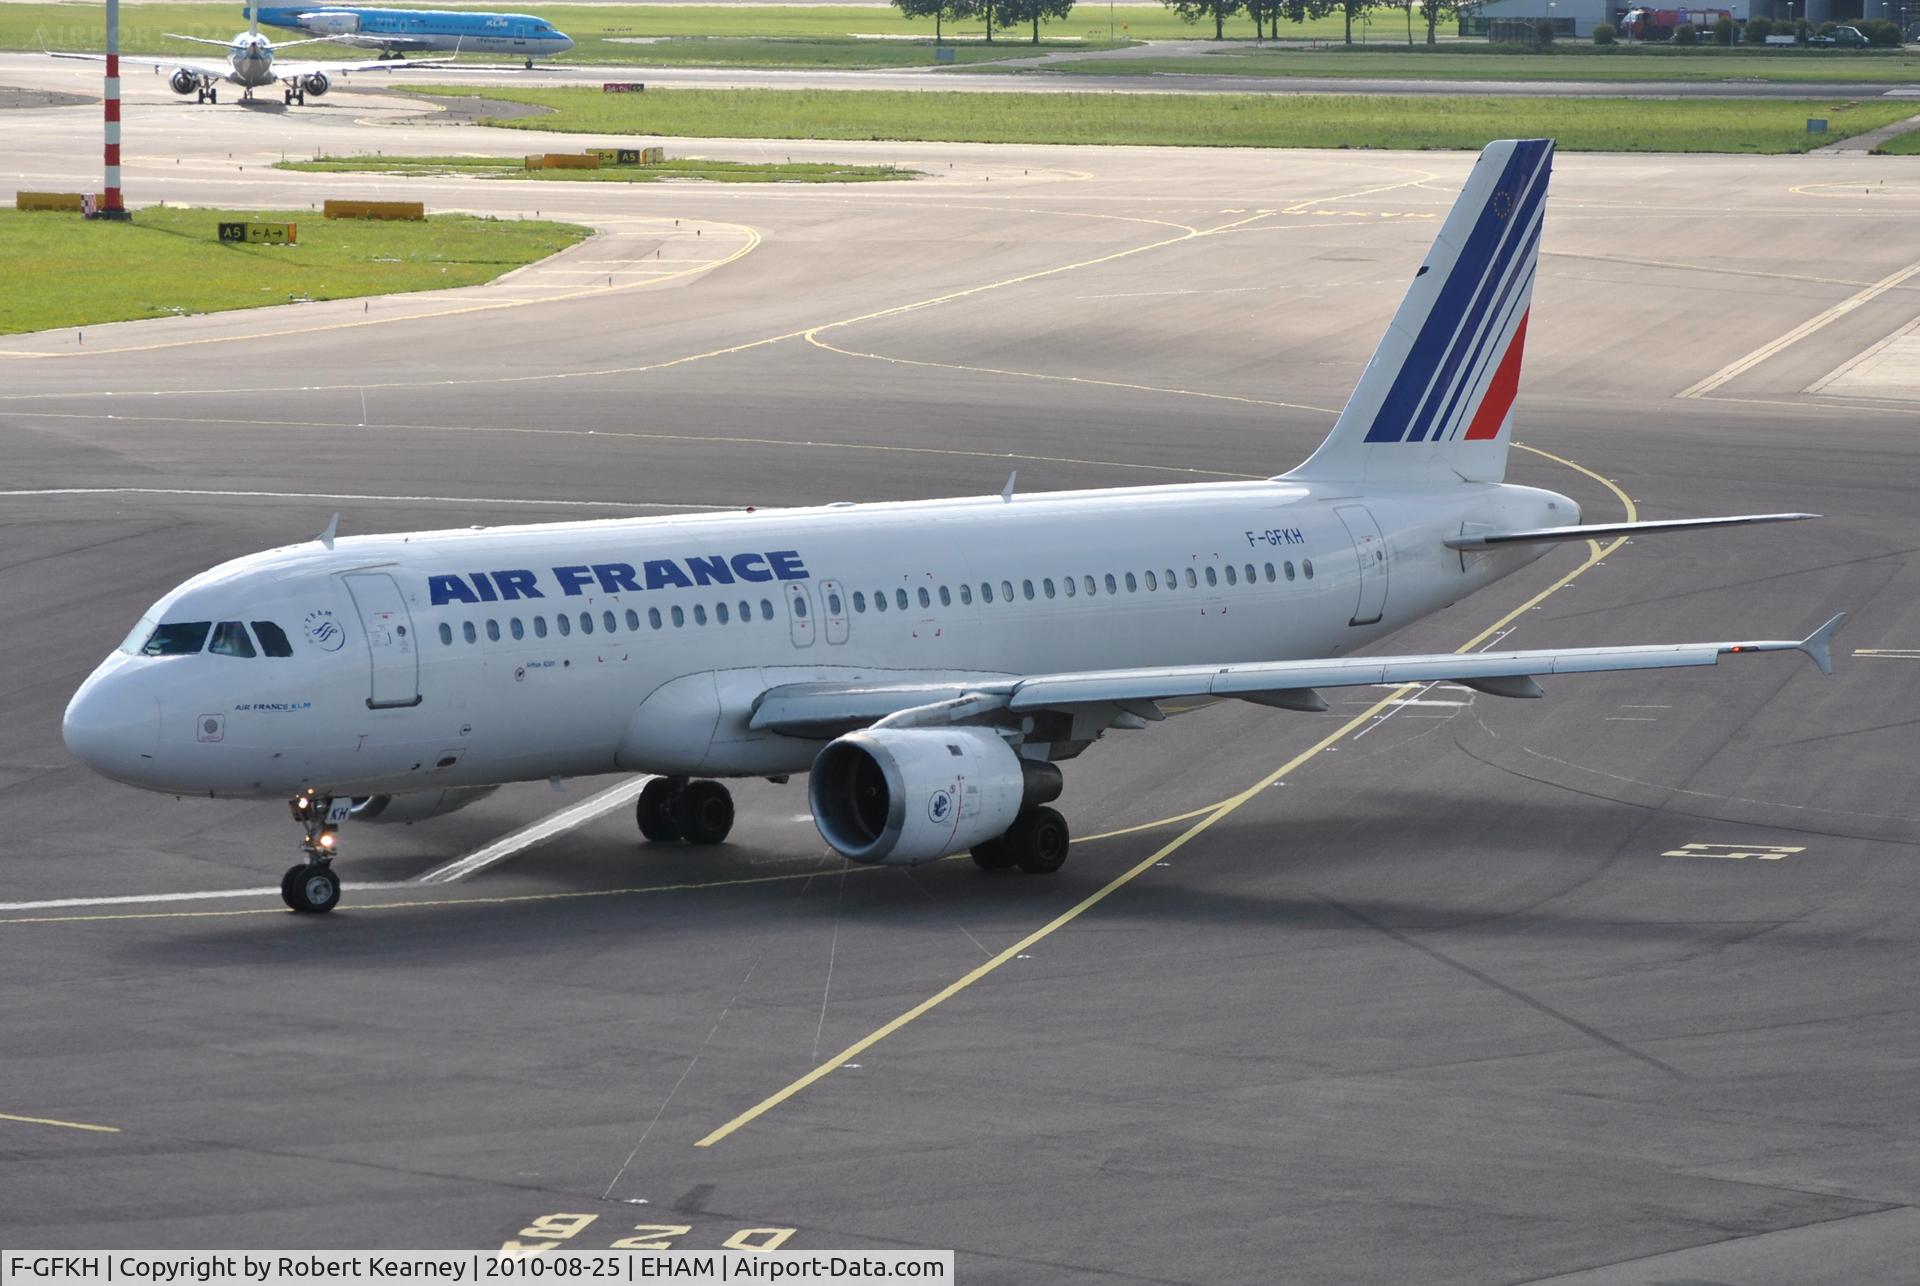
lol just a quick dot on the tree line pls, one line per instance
(1005, 15)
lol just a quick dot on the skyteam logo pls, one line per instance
(323, 631)
(940, 807)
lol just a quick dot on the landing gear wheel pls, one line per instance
(311, 888)
(213, 96)
(994, 855)
(655, 809)
(704, 812)
(1038, 841)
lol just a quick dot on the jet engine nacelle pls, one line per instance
(331, 24)
(416, 806)
(316, 84)
(901, 795)
(183, 81)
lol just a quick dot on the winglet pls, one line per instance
(1818, 644)
(1006, 492)
(333, 529)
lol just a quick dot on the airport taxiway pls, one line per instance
(1615, 986)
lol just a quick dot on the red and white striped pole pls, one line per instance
(111, 206)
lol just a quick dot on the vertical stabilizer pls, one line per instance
(1435, 403)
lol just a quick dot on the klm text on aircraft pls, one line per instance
(395, 31)
(930, 665)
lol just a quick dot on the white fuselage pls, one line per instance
(388, 690)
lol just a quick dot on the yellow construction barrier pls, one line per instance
(48, 201)
(568, 161)
(374, 210)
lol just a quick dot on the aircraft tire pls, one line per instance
(704, 812)
(1039, 841)
(994, 855)
(310, 889)
(654, 810)
(213, 95)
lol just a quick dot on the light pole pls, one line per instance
(111, 206)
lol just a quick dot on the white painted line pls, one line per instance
(209, 895)
(527, 836)
(1737, 368)
(324, 495)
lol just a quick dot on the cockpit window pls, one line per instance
(177, 638)
(273, 639)
(230, 639)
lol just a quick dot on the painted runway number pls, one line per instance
(1765, 852)
(548, 1232)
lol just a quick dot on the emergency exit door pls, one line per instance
(391, 647)
(1371, 550)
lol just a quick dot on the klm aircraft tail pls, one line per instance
(1435, 403)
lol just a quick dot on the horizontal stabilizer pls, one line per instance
(1606, 531)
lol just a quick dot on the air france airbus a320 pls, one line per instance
(930, 664)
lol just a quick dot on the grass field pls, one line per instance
(681, 168)
(1900, 145)
(63, 270)
(1214, 120)
(811, 35)
(1575, 62)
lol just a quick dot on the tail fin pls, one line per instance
(1435, 402)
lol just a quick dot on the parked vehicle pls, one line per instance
(1840, 38)
(1660, 24)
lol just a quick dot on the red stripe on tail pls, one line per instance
(1500, 394)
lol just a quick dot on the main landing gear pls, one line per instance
(1036, 843)
(207, 94)
(670, 808)
(312, 888)
(296, 97)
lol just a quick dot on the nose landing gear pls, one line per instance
(311, 887)
(670, 808)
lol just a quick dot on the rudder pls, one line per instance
(1436, 399)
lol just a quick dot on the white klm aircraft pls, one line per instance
(250, 65)
(930, 663)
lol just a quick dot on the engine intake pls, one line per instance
(916, 794)
(416, 806)
(316, 84)
(183, 81)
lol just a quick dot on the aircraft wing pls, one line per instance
(818, 709)
(221, 70)
(291, 71)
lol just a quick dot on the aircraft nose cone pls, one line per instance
(112, 725)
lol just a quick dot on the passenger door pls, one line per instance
(800, 614)
(833, 610)
(391, 647)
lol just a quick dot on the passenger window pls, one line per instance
(177, 639)
(1212, 578)
(900, 599)
(273, 639)
(1250, 575)
(1112, 586)
(633, 620)
(1006, 590)
(679, 616)
(746, 612)
(700, 611)
(1090, 585)
(946, 599)
(653, 617)
(467, 632)
(1026, 588)
(1153, 582)
(1289, 569)
(1046, 586)
(539, 627)
(608, 623)
(880, 600)
(766, 609)
(1231, 578)
(562, 624)
(834, 607)
(1269, 573)
(1132, 584)
(986, 591)
(1071, 587)
(966, 594)
(493, 631)
(859, 601)
(926, 599)
(518, 630)
(446, 634)
(1172, 581)
(230, 639)
(720, 612)
(1306, 568)
(586, 622)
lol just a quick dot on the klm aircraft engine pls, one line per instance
(418, 805)
(183, 81)
(316, 84)
(903, 795)
(331, 24)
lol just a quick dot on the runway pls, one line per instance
(1611, 987)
